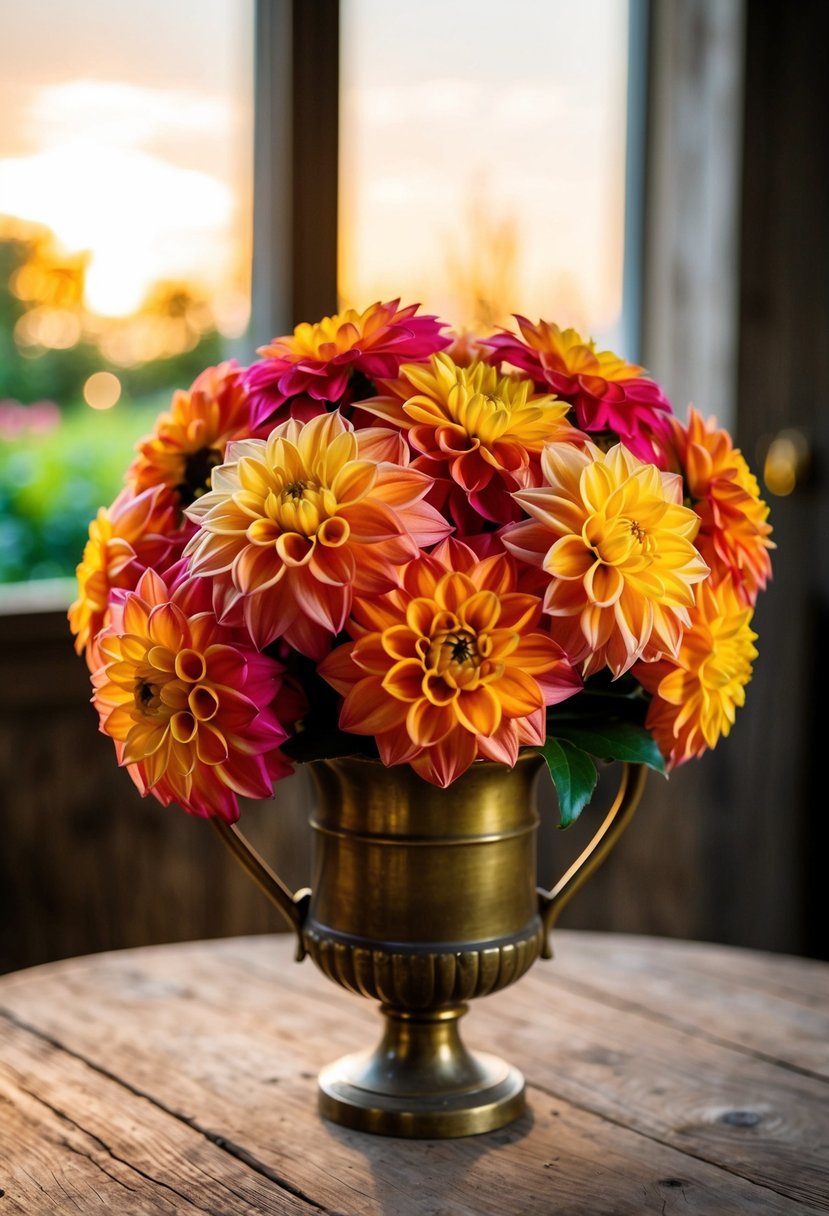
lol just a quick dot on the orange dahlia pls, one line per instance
(607, 393)
(450, 667)
(188, 701)
(316, 361)
(190, 440)
(297, 524)
(137, 531)
(478, 431)
(734, 533)
(617, 544)
(696, 694)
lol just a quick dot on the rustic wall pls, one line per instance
(85, 863)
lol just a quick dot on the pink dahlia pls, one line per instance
(315, 363)
(189, 702)
(606, 393)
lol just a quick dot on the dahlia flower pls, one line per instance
(616, 542)
(316, 361)
(734, 533)
(450, 667)
(696, 694)
(188, 701)
(297, 524)
(479, 433)
(466, 348)
(607, 393)
(136, 532)
(190, 440)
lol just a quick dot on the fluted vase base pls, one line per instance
(421, 1081)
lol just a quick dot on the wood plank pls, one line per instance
(692, 209)
(238, 1032)
(771, 1004)
(749, 1116)
(74, 1140)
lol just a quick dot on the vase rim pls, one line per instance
(525, 756)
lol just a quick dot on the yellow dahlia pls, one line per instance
(450, 667)
(137, 531)
(479, 431)
(189, 702)
(297, 524)
(734, 533)
(696, 694)
(617, 544)
(190, 440)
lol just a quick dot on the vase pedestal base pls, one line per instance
(421, 1082)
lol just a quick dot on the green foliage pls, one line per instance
(52, 485)
(617, 740)
(604, 722)
(574, 775)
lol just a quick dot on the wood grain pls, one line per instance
(82, 1140)
(636, 1104)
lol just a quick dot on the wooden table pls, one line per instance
(663, 1077)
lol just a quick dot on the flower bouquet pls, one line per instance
(382, 539)
(419, 561)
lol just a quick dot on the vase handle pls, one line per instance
(292, 905)
(551, 903)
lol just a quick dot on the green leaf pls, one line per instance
(616, 740)
(574, 776)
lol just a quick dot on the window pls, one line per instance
(125, 237)
(482, 159)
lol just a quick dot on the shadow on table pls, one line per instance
(441, 1172)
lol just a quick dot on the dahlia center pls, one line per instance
(484, 417)
(302, 507)
(198, 467)
(147, 697)
(618, 541)
(455, 656)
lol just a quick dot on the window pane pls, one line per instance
(125, 237)
(483, 158)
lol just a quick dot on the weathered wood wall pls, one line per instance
(85, 863)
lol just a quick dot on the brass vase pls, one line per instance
(423, 899)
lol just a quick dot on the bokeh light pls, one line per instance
(102, 390)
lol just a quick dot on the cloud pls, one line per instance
(124, 115)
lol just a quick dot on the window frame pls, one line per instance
(296, 140)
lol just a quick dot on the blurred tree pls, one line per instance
(55, 472)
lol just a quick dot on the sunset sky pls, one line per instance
(127, 130)
(463, 117)
(476, 150)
